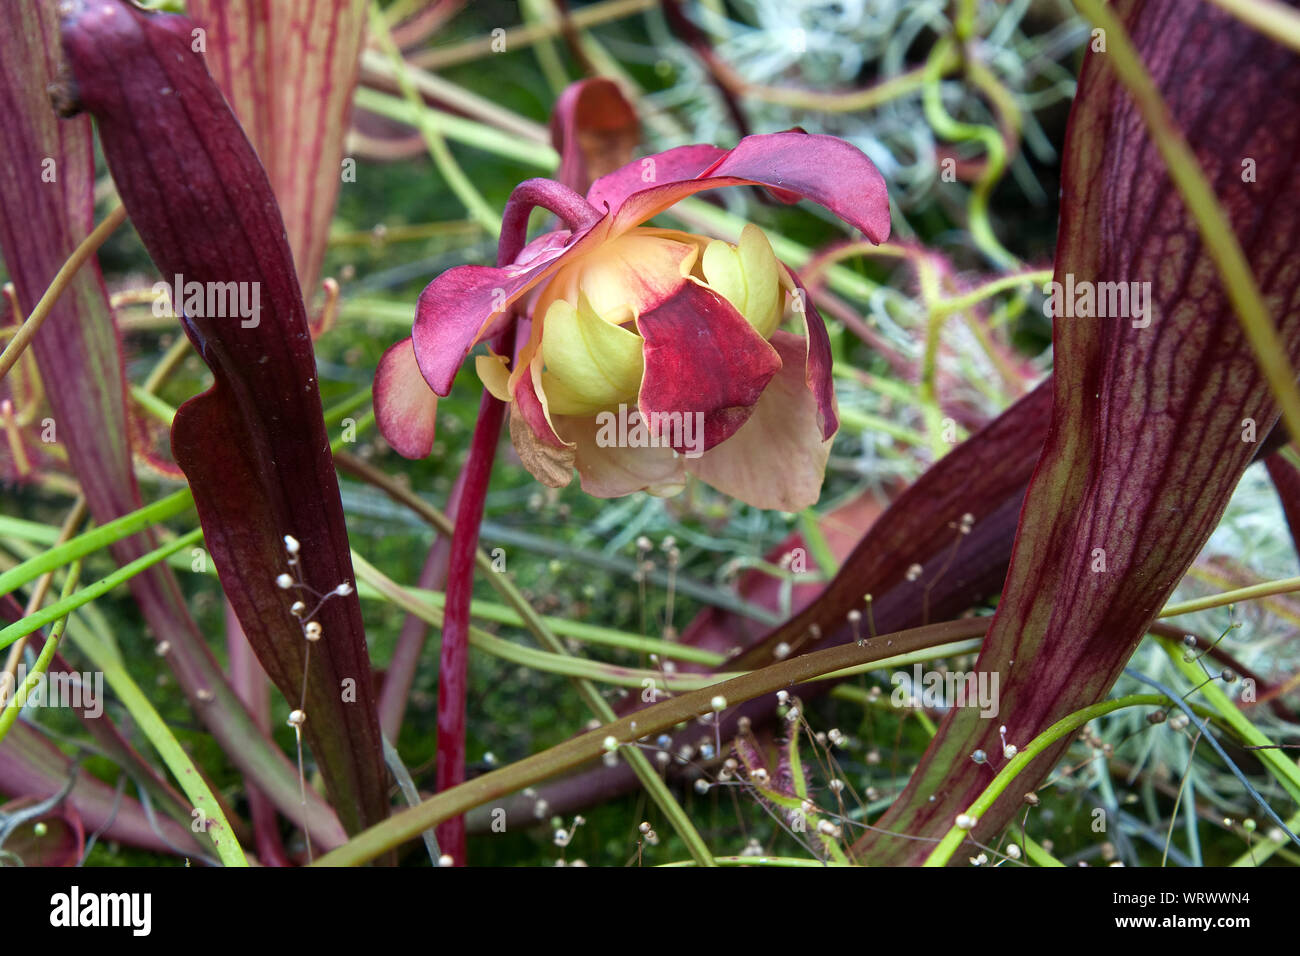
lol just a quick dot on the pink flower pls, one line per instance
(646, 354)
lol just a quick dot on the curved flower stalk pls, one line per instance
(651, 353)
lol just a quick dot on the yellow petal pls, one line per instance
(723, 273)
(748, 277)
(591, 364)
(493, 373)
(763, 306)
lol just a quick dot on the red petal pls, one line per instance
(778, 457)
(824, 169)
(702, 356)
(460, 307)
(682, 163)
(817, 368)
(594, 129)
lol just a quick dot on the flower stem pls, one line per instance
(454, 661)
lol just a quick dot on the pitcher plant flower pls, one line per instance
(646, 354)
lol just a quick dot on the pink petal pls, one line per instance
(465, 304)
(702, 356)
(778, 458)
(682, 163)
(406, 408)
(793, 164)
(610, 471)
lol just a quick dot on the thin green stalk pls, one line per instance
(981, 229)
(954, 838)
(477, 207)
(105, 658)
(654, 719)
(827, 563)
(1283, 768)
(152, 404)
(89, 593)
(458, 129)
(866, 422)
(778, 861)
(580, 631)
(10, 713)
(97, 538)
(1257, 853)
(655, 785)
(1251, 593)
(41, 311)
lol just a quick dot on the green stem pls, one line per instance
(58, 609)
(654, 719)
(95, 539)
(10, 713)
(655, 785)
(151, 723)
(455, 177)
(1283, 769)
(954, 838)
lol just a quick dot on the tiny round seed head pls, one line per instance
(284, 582)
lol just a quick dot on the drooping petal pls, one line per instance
(406, 408)
(817, 371)
(530, 399)
(594, 129)
(778, 458)
(591, 364)
(684, 162)
(793, 164)
(610, 467)
(704, 361)
(465, 304)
